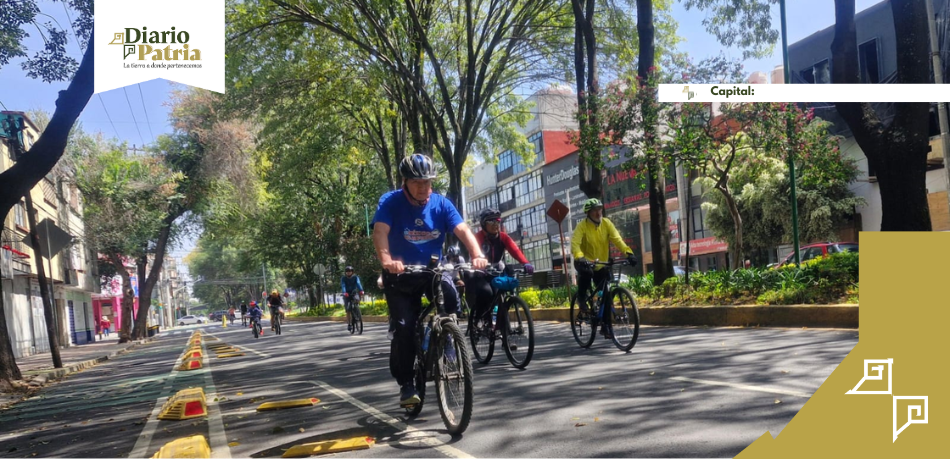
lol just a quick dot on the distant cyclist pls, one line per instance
(410, 227)
(352, 293)
(591, 240)
(494, 243)
(275, 302)
(255, 313)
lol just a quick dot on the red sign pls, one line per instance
(557, 211)
(703, 246)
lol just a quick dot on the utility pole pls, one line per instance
(570, 229)
(941, 106)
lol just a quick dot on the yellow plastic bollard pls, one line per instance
(224, 321)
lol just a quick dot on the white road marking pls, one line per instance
(262, 354)
(741, 386)
(443, 448)
(218, 440)
(145, 438)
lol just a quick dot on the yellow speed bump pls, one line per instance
(190, 364)
(218, 346)
(330, 446)
(288, 404)
(186, 404)
(233, 354)
(193, 353)
(187, 447)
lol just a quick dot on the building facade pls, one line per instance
(71, 269)
(810, 62)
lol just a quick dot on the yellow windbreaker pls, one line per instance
(591, 241)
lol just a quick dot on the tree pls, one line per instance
(125, 205)
(449, 62)
(896, 152)
(51, 64)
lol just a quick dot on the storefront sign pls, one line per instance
(703, 246)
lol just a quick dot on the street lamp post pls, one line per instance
(791, 152)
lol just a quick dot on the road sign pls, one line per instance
(319, 269)
(557, 211)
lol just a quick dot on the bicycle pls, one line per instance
(276, 319)
(510, 313)
(256, 327)
(356, 317)
(620, 322)
(434, 328)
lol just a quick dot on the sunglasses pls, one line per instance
(495, 221)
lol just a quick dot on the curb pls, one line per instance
(59, 373)
(802, 315)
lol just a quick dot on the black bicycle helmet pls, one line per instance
(488, 214)
(417, 166)
(348, 269)
(453, 251)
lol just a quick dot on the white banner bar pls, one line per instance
(746, 92)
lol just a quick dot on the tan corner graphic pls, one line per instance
(119, 39)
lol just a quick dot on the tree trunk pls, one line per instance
(737, 255)
(46, 288)
(141, 314)
(897, 153)
(585, 73)
(9, 371)
(147, 284)
(128, 297)
(18, 180)
(660, 232)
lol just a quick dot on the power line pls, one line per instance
(107, 115)
(147, 122)
(133, 115)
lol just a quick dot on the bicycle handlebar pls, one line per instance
(612, 262)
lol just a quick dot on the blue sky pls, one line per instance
(137, 114)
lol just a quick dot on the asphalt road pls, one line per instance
(681, 392)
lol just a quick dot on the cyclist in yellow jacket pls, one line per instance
(591, 240)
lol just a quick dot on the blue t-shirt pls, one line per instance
(416, 233)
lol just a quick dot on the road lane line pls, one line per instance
(741, 386)
(217, 438)
(443, 448)
(145, 438)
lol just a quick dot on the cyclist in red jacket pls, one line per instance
(494, 243)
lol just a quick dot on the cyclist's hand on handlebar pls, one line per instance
(479, 263)
(346, 295)
(632, 259)
(394, 267)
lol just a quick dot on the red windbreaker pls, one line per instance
(494, 247)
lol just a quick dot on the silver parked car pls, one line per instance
(190, 320)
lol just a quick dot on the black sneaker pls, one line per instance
(408, 395)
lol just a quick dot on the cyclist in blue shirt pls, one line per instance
(352, 290)
(255, 313)
(410, 226)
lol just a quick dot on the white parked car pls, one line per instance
(189, 320)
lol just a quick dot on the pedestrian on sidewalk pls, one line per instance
(106, 325)
(231, 314)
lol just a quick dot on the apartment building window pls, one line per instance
(538, 146)
(538, 254)
(868, 62)
(19, 214)
(528, 189)
(819, 73)
(532, 221)
(699, 224)
(506, 197)
(49, 192)
(476, 206)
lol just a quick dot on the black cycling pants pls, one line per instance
(478, 292)
(404, 298)
(584, 278)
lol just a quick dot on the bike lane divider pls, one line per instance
(442, 447)
(218, 442)
(245, 348)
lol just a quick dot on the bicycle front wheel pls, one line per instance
(625, 319)
(518, 333)
(453, 382)
(277, 324)
(582, 324)
(480, 335)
